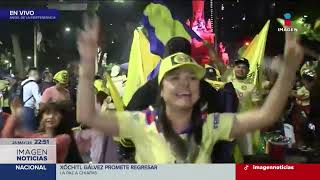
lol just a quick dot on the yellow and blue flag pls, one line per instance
(147, 50)
(141, 63)
(161, 26)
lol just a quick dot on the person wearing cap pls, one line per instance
(248, 100)
(223, 150)
(308, 76)
(213, 77)
(146, 95)
(59, 92)
(118, 80)
(308, 81)
(302, 105)
(175, 131)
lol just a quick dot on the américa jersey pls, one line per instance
(152, 147)
(249, 97)
(247, 94)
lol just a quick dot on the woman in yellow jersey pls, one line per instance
(177, 132)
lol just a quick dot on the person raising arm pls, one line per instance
(178, 114)
(86, 112)
(275, 102)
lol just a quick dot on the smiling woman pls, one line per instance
(176, 131)
(54, 123)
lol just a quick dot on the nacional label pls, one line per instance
(28, 171)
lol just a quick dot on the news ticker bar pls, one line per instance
(116, 171)
(35, 159)
(29, 14)
(147, 171)
(160, 172)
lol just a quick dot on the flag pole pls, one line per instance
(35, 31)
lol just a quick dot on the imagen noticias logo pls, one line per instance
(287, 24)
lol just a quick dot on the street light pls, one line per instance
(28, 57)
(244, 17)
(247, 43)
(67, 29)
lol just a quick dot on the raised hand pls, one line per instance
(293, 52)
(212, 52)
(88, 41)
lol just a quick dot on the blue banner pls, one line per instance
(28, 171)
(29, 14)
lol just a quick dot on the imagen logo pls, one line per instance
(287, 19)
(287, 24)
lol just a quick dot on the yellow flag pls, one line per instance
(114, 94)
(255, 54)
(141, 63)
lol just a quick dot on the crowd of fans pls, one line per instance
(186, 114)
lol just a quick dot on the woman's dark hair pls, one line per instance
(64, 127)
(96, 77)
(101, 96)
(177, 44)
(179, 146)
(45, 75)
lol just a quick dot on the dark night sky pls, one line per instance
(124, 17)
